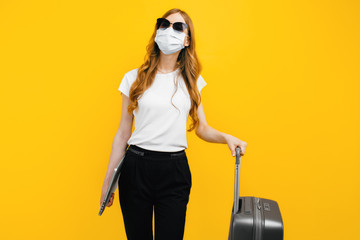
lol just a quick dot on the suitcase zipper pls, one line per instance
(257, 220)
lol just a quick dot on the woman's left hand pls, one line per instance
(234, 142)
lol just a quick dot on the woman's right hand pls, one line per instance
(103, 192)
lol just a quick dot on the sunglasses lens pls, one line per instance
(162, 23)
(179, 26)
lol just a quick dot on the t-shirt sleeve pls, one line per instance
(125, 85)
(201, 83)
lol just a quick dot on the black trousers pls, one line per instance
(159, 181)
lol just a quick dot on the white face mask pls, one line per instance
(169, 41)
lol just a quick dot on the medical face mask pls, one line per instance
(169, 41)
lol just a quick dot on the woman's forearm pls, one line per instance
(209, 134)
(212, 135)
(117, 151)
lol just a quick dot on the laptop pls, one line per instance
(113, 184)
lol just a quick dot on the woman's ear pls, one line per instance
(187, 41)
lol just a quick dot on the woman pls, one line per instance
(161, 94)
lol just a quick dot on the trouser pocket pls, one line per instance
(183, 173)
(126, 178)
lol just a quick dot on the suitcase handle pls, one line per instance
(237, 155)
(237, 181)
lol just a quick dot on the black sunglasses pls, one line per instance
(164, 23)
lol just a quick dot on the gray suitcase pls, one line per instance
(254, 218)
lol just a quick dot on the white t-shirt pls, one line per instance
(159, 126)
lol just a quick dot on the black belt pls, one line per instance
(141, 152)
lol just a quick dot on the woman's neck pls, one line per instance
(168, 62)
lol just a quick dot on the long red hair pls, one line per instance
(189, 68)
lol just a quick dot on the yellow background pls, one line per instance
(282, 76)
